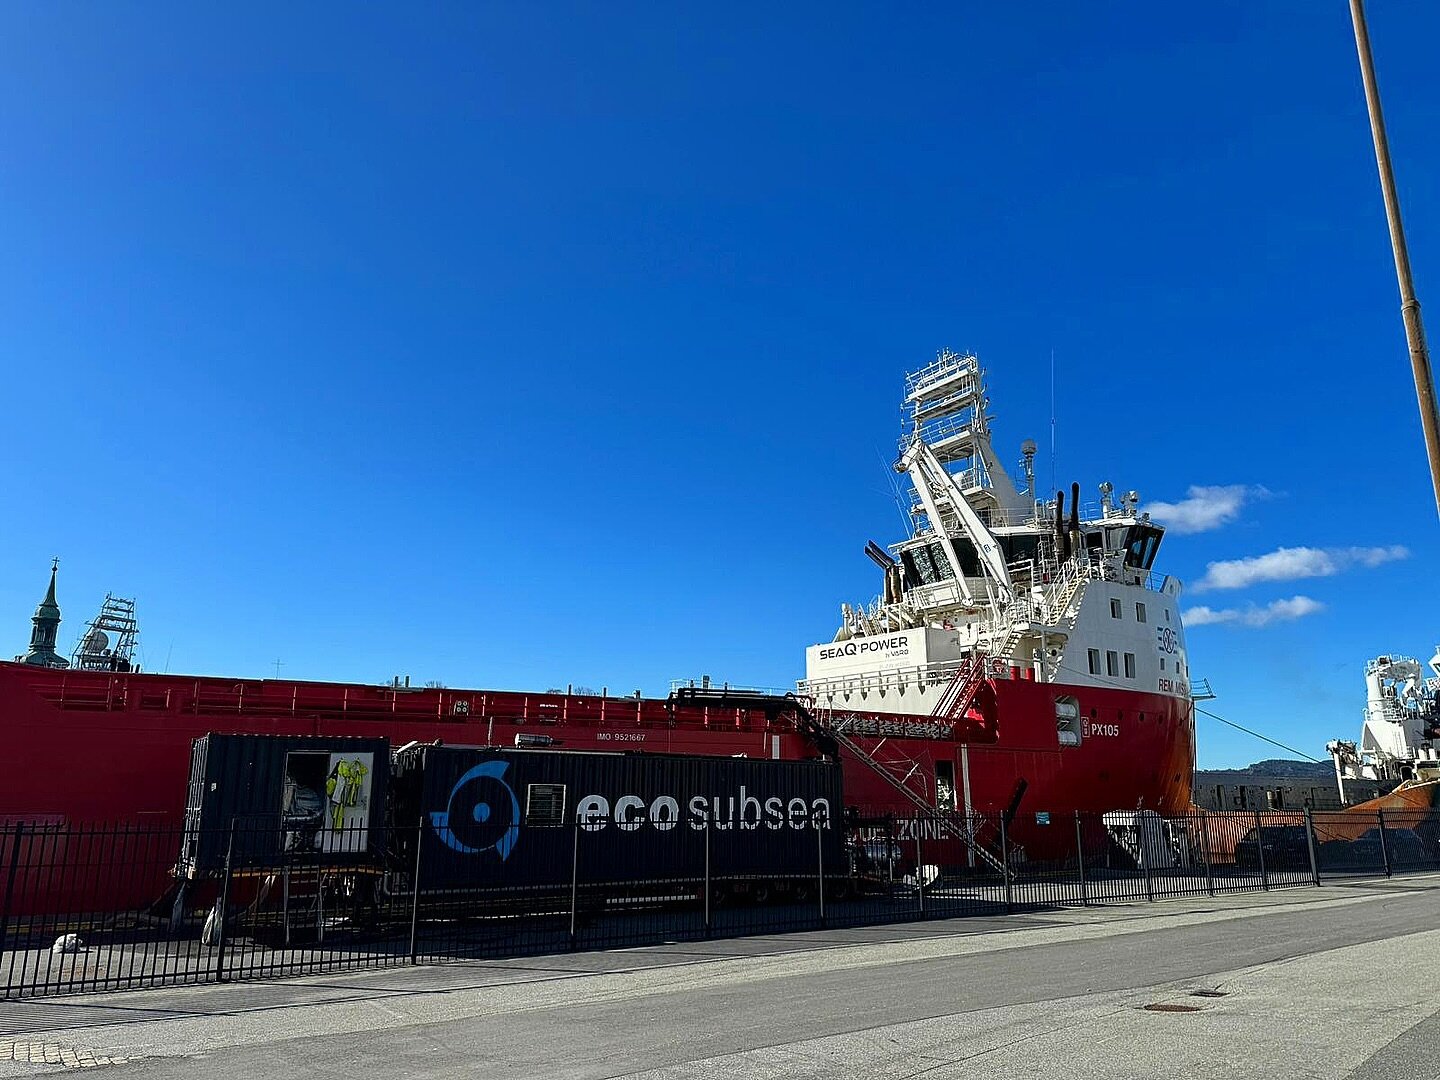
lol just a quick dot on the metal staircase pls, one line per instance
(955, 702)
(1065, 592)
(946, 820)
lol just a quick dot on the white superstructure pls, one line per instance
(992, 570)
(1401, 727)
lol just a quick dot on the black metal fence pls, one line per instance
(88, 908)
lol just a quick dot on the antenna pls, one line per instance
(1052, 418)
(898, 495)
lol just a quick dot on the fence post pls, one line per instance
(1005, 865)
(575, 885)
(1310, 844)
(224, 908)
(708, 926)
(1142, 842)
(1205, 839)
(919, 864)
(1260, 851)
(415, 895)
(10, 884)
(1080, 860)
(1384, 843)
(820, 870)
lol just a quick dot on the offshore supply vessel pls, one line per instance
(1399, 743)
(1022, 659)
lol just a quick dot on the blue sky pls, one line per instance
(518, 345)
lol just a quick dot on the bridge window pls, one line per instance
(927, 564)
(1141, 545)
(1139, 612)
(1019, 547)
(1115, 609)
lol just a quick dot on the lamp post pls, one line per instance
(1409, 306)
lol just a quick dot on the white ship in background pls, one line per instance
(1401, 727)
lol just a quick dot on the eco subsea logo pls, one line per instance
(482, 813)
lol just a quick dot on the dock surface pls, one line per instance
(1336, 981)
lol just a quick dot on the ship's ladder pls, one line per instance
(960, 694)
(948, 822)
(1011, 643)
(1068, 587)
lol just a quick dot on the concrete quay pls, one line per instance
(1337, 981)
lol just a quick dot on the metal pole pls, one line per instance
(919, 864)
(1260, 851)
(1005, 865)
(820, 870)
(1142, 833)
(224, 908)
(10, 882)
(707, 881)
(9, 895)
(1310, 843)
(415, 896)
(1409, 305)
(1384, 844)
(1205, 839)
(1080, 859)
(574, 883)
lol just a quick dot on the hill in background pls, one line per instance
(1300, 770)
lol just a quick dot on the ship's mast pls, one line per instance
(960, 486)
(110, 640)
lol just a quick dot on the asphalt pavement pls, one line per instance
(1336, 981)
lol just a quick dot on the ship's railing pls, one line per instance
(936, 431)
(1056, 585)
(1107, 566)
(917, 676)
(1001, 518)
(1154, 581)
(485, 713)
(936, 595)
(743, 688)
(943, 368)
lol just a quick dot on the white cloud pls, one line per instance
(1291, 564)
(1297, 607)
(1205, 508)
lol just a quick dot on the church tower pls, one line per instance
(47, 627)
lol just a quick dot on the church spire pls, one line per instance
(46, 629)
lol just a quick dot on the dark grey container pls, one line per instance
(501, 818)
(264, 790)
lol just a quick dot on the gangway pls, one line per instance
(947, 821)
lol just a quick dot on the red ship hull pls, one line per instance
(86, 747)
